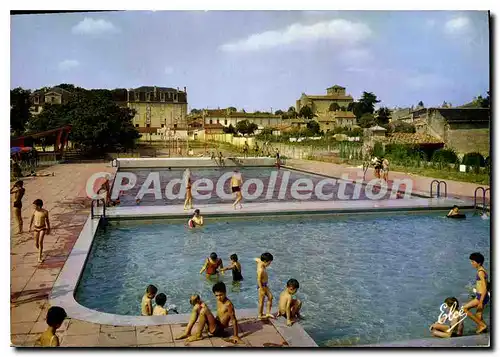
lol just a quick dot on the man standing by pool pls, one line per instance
(236, 182)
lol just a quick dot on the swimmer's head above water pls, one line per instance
(196, 212)
(213, 256)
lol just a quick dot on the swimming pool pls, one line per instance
(363, 279)
(284, 178)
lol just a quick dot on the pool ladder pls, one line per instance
(438, 188)
(483, 206)
(96, 201)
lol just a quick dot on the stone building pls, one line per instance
(321, 103)
(55, 95)
(157, 108)
(226, 117)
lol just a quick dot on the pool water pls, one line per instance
(363, 279)
(128, 198)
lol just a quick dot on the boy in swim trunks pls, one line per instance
(262, 281)
(236, 182)
(212, 265)
(482, 296)
(42, 226)
(55, 318)
(225, 316)
(18, 191)
(288, 306)
(147, 300)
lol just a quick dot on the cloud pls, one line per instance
(68, 64)
(458, 25)
(338, 30)
(169, 70)
(90, 26)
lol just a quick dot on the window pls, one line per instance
(148, 125)
(137, 96)
(327, 123)
(136, 125)
(175, 126)
(163, 125)
(217, 121)
(52, 99)
(148, 97)
(225, 121)
(175, 97)
(36, 100)
(162, 97)
(210, 121)
(169, 95)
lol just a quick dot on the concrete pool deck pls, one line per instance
(65, 198)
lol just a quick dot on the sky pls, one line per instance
(259, 60)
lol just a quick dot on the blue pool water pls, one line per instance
(363, 279)
(214, 174)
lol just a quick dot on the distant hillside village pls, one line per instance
(160, 112)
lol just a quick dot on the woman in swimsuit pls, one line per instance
(189, 196)
(211, 266)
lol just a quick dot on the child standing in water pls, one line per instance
(55, 318)
(235, 268)
(42, 226)
(481, 290)
(147, 300)
(288, 306)
(212, 265)
(262, 282)
(197, 219)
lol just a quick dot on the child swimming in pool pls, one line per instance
(197, 219)
(212, 265)
(235, 268)
(454, 211)
(456, 325)
(262, 281)
(288, 306)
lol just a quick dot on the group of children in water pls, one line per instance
(289, 306)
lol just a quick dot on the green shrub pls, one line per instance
(473, 159)
(445, 156)
(378, 150)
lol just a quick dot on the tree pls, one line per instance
(420, 104)
(367, 120)
(313, 126)
(291, 113)
(229, 129)
(278, 112)
(367, 103)
(195, 111)
(232, 109)
(244, 127)
(19, 110)
(306, 112)
(334, 107)
(383, 115)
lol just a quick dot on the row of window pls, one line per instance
(149, 125)
(151, 96)
(225, 121)
(50, 99)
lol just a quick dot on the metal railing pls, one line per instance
(96, 201)
(484, 206)
(438, 188)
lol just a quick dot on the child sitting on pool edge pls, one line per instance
(147, 300)
(160, 300)
(288, 306)
(456, 326)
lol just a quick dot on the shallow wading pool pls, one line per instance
(363, 278)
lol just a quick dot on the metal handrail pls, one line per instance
(484, 197)
(97, 205)
(438, 188)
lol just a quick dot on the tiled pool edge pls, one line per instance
(63, 294)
